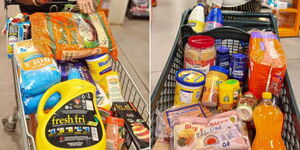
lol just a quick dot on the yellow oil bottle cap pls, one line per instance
(267, 95)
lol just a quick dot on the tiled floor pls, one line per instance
(132, 39)
(165, 22)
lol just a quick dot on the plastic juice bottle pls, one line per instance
(196, 18)
(268, 121)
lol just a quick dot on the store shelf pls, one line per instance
(292, 31)
(290, 10)
(287, 32)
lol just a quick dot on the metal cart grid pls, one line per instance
(129, 90)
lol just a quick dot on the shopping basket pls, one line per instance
(237, 39)
(129, 90)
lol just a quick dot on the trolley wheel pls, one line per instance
(9, 124)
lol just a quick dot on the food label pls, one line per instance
(220, 133)
(186, 96)
(212, 24)
(13, 33)
(114, 88)
(31, 59)
(191, 76)
(238, 70)
(211, 91)
(225, 97)
(223, 61)
(137, 128)
(99, 66)
(110, 145)
(197, 26)
(75, 125)
(203, 66)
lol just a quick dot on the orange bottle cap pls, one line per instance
(267, 95)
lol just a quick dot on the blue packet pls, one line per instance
(38, 73)
(31, 103)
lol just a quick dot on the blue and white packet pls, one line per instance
(31, 103)
(38, 73)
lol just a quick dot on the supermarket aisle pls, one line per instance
(165, 23)
(133, 40)
(133, 43)
(7, 103)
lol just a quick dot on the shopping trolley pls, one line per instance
(129, 90)
(234, 35)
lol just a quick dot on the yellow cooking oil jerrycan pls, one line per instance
(74, 122)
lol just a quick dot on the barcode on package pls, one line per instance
(94, 134)
(89, 105)
(110, 145)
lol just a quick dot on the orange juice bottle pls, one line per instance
(268, 121)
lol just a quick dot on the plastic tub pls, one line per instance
(189, 86)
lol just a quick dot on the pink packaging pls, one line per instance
(222, 131)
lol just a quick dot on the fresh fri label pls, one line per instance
(75, 125)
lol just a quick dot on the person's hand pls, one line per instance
(87, 6)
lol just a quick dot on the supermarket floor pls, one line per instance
(165, 22)
(132, 39)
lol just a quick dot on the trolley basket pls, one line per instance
(129, 89)
(233, 35)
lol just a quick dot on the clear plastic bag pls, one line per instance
(166, 119)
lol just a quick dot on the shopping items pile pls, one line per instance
(66, 77)
(222, 95)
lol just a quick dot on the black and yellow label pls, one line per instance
(75, 125)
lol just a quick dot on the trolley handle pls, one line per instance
(247, 14)
(13, 2)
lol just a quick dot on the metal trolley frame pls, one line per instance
(129, 90)
(233, 35)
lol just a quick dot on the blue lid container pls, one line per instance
(219, 69)
(239, 57)
(222, 50)
(184, 77)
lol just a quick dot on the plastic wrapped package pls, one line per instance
(68, 36)
(101, 97)
(31, 103)
(38, 73)
(167, 118)
(221, 131)
(267, 60)
(18, 29)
